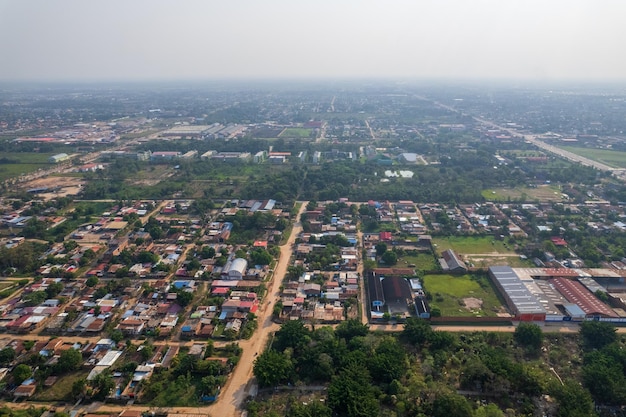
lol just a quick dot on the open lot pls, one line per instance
(422, 261)
(540, 193)
(60, 186)
(463, 295)
(471, 244)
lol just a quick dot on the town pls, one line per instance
(160, 249)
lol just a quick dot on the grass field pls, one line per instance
(295, 132)
(22, 163)
(449, 291)
(471, 244)
(541, 193)
(422, 261)
(61, 390)
(616, 159)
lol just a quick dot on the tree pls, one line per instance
(7, 355)
(451, 405)
(597, 334)
(21, 373)
(69, 360)
(350, 393)
(54, 289)
(351, 328)
(389, 258)
(92, 282)
(102, 384)
(416, 331)
(292, 334)
(381, 248)
(183, 298)
(272, 368)
(116, 335)
(529, 335)
(78, 388)
(574, 400)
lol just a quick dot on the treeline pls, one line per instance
(422, 372)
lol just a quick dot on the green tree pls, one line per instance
(92, 282)
(574, 400)
(21, 373)
(381, 248)
(292, 334)
(597, 334)
(351, 394)
(351, 328)
(451, 405)
(69, 360)
(183, 298)
(272, 368)
(416, 331)
(78, 388)
(7, 355)
(529, 335)
(54, 289)
(389, 258)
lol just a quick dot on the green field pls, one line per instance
(422, 261)
(62, 389)
(449, 291)
(616, 159)
(541, 193)
(295, 132)
(470, 244)
(16, 164)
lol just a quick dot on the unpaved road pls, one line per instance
(238, 386)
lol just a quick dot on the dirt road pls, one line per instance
(241, 382)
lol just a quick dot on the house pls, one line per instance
(451, 262)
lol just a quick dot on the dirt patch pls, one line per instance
(473, 304)
(58, 186)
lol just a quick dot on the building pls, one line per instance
(60, 157)
(451, 262)
(235, 269)
(523, 304)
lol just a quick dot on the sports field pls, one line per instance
(540, 193)
(295, 132)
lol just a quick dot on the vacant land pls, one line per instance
(471, 244)
(421, 261)
(462, 295)
(541, 193)
(615, 159)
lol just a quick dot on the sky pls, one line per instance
(127, 40)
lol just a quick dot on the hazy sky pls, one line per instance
(198, 39)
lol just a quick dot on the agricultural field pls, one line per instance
(540, 193)
(472, 245)
(295, 132)
(615, 159)
(463, 295)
